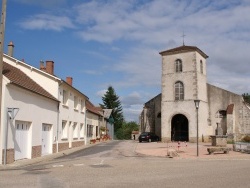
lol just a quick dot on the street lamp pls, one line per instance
(196, 103)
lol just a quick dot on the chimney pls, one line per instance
(69, 80)
(50, 67)
(10, 49)
(42, 66)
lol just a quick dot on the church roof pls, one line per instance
(183, 49)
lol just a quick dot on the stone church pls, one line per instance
(173, 116)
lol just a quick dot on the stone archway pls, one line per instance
(179, 128)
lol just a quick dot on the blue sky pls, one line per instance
(116, 42)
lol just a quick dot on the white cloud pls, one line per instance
(47, 22)
(132, 112)
(133, 98)
(92, 72)
(142, 67)
(44, 3)
(101, 93)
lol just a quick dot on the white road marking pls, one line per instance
(55, 166)
(78, 164)
(101, 163)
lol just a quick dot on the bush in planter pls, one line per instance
(246, 138)
(92, 141)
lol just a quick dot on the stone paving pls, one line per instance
(156, 149)
(186, 150)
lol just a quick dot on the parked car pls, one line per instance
(148, 137)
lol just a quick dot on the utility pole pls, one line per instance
(2, 29)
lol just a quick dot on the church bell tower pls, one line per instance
(183, 81)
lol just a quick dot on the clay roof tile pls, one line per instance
(19, 78)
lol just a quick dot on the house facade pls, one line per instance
(29, 117)
(173, 115)
(94, 120)
(41, 113)
(72, 116)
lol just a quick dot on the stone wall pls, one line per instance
(237, 122)
(77, 144)
(151, 121)
(194, 82)
(10, 158)
(63, 146)
(36, 151)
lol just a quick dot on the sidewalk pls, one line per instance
(186, 151)
(26, 162)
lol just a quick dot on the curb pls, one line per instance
(26, 162)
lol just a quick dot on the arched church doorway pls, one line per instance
(179, 128)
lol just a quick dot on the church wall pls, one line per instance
(169, 76)
(151, 116)
(238, 123)
(186, 108)
(212, 99)
(194, 88)
(157, 114)
(244, 117)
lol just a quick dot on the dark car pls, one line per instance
(148, 137)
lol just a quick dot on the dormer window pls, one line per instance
(178, 65)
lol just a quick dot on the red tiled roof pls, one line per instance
(19, 78)
(90, 107)
(230, 109)
(183, 49)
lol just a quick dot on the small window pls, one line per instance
(81, 130)
(179, 91)
(75, 131)
(178, 65)
(64, 129)
(201, 66)
(82, 105)
(75, 102)
(90, 130)
(65, 97)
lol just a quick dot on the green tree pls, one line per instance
(124, 133)
(246, 97)
(111, 101)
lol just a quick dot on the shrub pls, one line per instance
(246, 138)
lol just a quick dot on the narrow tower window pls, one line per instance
(201, 66)
(179, 91)
(178, 65)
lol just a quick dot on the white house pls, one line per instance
(63, 114)
(94, 120)
(72, 113)
(29, 117)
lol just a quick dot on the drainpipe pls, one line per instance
(85, 125)
(57, 127)
(6, 138)
(58, 114)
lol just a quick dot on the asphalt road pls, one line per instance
(115, 164)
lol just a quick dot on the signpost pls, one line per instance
(11, 114)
